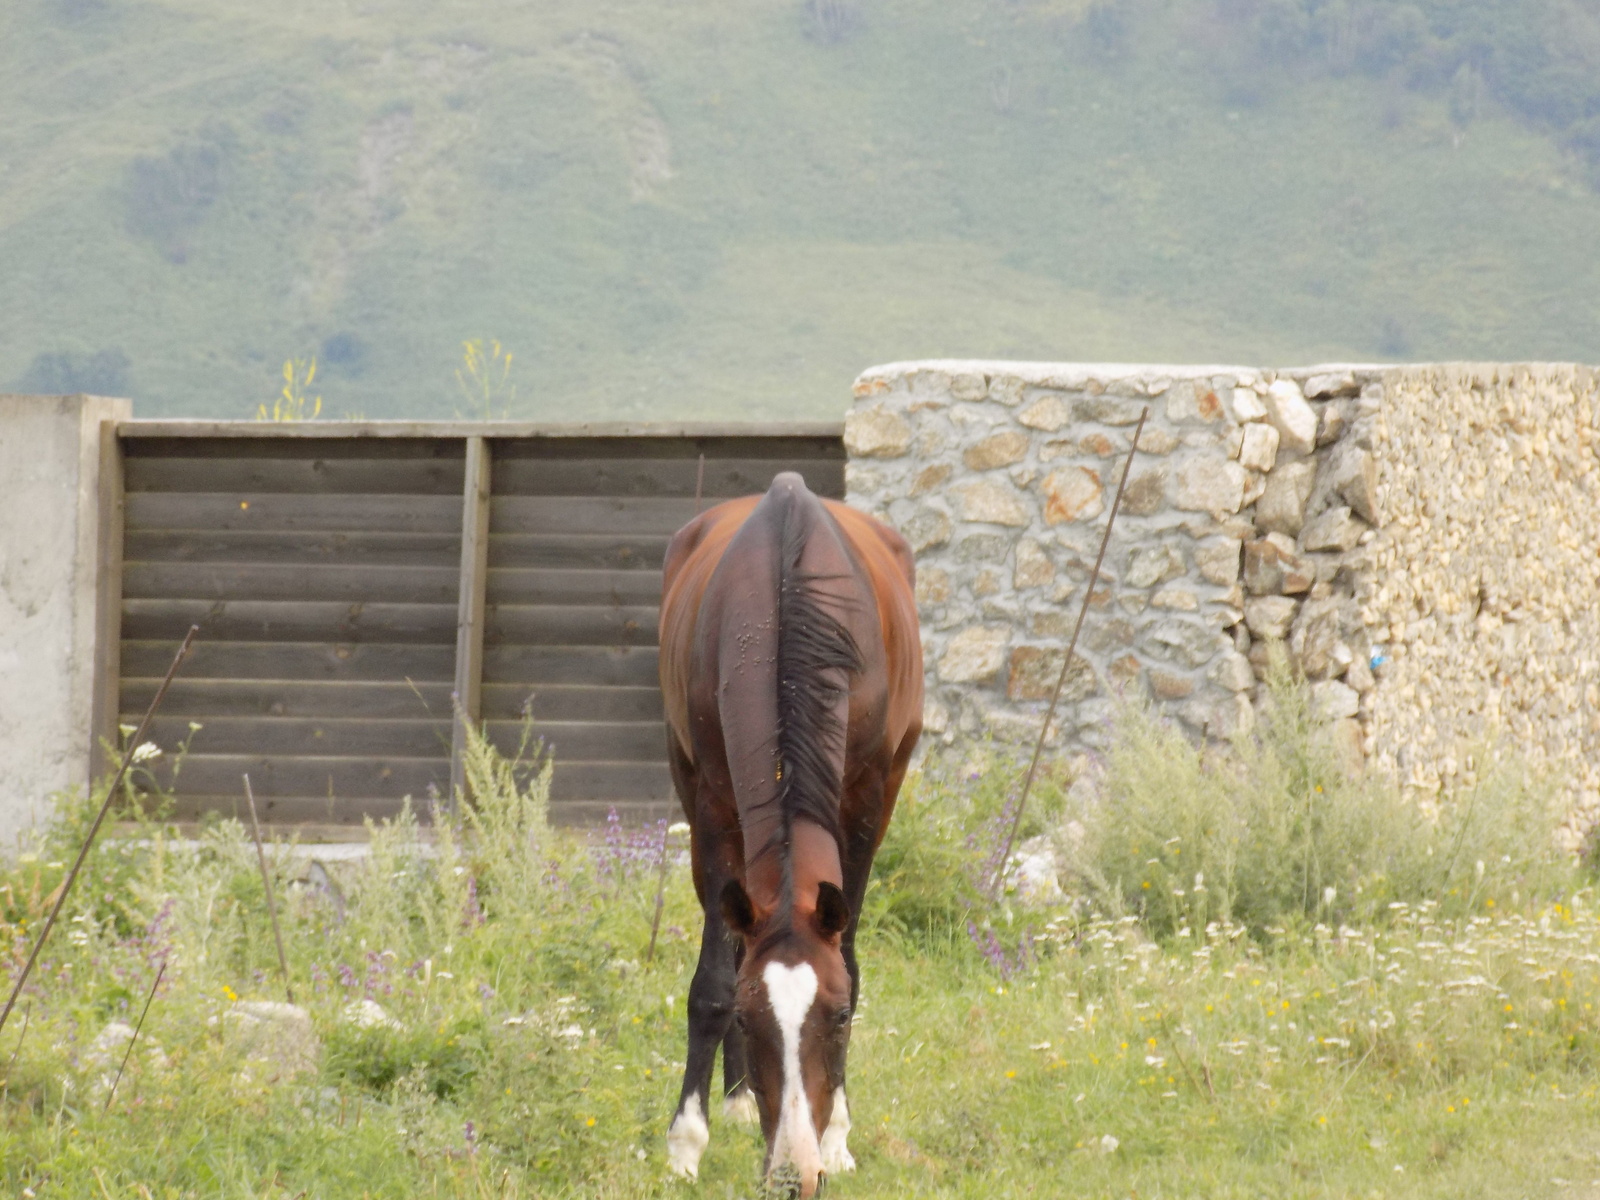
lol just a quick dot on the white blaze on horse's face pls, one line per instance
(791, 991)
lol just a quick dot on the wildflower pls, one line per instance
(1109, 1144)
(146, 752)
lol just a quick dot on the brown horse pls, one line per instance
(792, 671)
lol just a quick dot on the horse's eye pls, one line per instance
(842, 1017)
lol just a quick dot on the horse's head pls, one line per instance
(792, 1001)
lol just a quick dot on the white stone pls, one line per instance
(1258, 449)
(1072, 494)
(990, 502)
(1353, 473)
(1153, 563)
(969, 385)
(1232, 672)
(1217, 560)
(369, 1014)
(1269, 617)
(1282, 506)
(1247, 406)
(1293, 418)
(974, 655)
(1320, 387)
(1033, 566)
(1332, 700)
(278, 1033)
(1048, 413)
(1181, 599)
(876, 433)
(1335, 529)
(1208, 483)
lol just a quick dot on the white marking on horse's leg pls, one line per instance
(791, 992)
(741, 1107)
(836, 1156)
(687, 1139)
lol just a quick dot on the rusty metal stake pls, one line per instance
(128, 1053)
(266, 882)
(27, 1015)
(1066, 664)
(111, 792)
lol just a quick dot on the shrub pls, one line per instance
(1277, 830)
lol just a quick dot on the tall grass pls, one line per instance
(1278, 829)
(488, 1027)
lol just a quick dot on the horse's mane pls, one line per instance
(812, 645)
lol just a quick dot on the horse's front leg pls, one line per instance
(710, 1015)
(738, 1101)
(860, 843)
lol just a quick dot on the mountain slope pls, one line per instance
(708, 210)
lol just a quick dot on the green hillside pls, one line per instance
(709, 209)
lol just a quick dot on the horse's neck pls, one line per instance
(811, 855)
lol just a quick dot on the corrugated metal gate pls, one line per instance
(349, 579)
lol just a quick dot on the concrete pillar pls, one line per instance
(55, 617)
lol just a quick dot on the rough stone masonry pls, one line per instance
(1422, 540)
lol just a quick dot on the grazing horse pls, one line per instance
(791, 668)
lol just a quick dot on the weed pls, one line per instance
(292, 403)
(488, 1028)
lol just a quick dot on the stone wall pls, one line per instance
(1250, 496)
(1483, 584)
(1425, 541)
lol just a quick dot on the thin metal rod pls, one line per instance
(661, 894)
(699, 484)
(116, 782)
(27, 1015)
(1066, 663)
(128, 1053)
(266, 882)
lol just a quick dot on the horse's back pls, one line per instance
(882, 558)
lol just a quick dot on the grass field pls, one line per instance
(1368, 1040)
(701, 210)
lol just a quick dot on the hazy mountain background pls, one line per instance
(729, 207)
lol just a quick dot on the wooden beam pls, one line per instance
(483, 429)
(107, 603)
(470, 617)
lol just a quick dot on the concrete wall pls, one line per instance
(1423, 540)
(50, 518)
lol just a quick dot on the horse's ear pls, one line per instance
(833, 914)
(737, 910)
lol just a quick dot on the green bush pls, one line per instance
(1277, 830)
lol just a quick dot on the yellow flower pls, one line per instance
(1011, 1074)
(590, 1122)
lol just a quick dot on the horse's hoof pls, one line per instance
(741, 1109)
